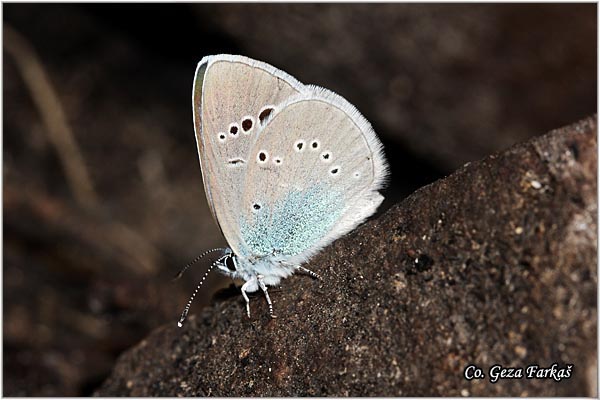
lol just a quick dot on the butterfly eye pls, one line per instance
(230, 264)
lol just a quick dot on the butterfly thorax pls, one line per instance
(245, 269)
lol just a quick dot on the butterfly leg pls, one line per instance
(262, 285)
(308, 271)
(244, 288)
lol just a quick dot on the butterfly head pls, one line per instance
(228, 265)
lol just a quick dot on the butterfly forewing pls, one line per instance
(232, 97)
(312, 176)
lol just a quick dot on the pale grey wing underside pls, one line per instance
(231, 95)
(313, 175)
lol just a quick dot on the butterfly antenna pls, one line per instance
(180, 273)
(186, 310)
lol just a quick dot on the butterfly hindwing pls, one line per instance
(313, 175)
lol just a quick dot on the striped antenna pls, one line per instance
(189, 303)
(180, 273)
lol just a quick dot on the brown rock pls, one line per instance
(495, 264)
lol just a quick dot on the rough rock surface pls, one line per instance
(496, 264)
(442, 84)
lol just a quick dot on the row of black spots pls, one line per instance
(233, 131)
(336, 171)
(263, 115)
(300, 145)
(247, 123)
(262, 157)
(326, 156)
(234, 128)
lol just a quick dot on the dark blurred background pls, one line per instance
(103, 197)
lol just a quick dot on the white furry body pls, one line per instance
(273, 273)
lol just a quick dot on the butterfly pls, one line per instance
(287, 168)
